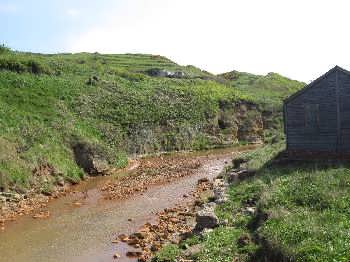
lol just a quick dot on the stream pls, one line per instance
(85, 232)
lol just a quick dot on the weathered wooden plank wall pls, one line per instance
(322, 133)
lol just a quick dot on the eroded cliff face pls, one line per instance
(234, 123)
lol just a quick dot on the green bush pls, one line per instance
(121, 160)
(4, 49)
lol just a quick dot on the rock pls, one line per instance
(243, 174)
(133, 254)
(42, 215)
(244, 240)
(206, 218)
(250, 211)
(77, 204)
(203, 180)
(232, 177)
(192, 251)
(123, 237)
(140, 235)
(220, 187)
(116, 255)
(155, 247)
(198, 202)
(2, 199)
(90, 159)
(156, 72)
(10, 197)
(237, 162)
(224, 222)
(60, 181)
(93, 80)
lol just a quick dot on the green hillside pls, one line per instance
(269, 89)
(55, 108)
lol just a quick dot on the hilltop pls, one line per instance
(269, 89)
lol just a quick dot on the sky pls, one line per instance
(300, 39)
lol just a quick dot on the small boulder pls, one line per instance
(237, 162)
(60, 181)
(203, 180)
(206, 218)
(192, 251)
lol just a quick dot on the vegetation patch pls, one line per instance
(49, 103)
(286, 212)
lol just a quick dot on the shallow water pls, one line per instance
(84, 233)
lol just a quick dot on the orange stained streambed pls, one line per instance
(85, 232)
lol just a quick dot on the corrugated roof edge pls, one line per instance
(301, 91)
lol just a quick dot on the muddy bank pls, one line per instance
(82, 225)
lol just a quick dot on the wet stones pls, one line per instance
(134, 254)
(10, 197)
(174, 224)
(123, 238)
(162, 169)
(42, 215)
(203, 180)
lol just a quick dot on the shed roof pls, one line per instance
(301, 91)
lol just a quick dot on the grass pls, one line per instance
(109, 102)
(303, 213)
(268, 91)
(168, 253)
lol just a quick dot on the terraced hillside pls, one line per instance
(270, 89)
(63, 113)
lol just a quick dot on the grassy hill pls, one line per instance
(62, 112)
(268, 90)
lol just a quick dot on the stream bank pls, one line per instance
(83, 224)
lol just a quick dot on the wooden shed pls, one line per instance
(317, 118)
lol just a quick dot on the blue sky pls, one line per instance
(44, 26)
(297, 38)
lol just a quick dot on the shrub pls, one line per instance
(36, 67)
(12, 65)
(121, 160)
(20, 66)
(4, 49)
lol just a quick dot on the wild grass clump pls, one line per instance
(168, 253)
